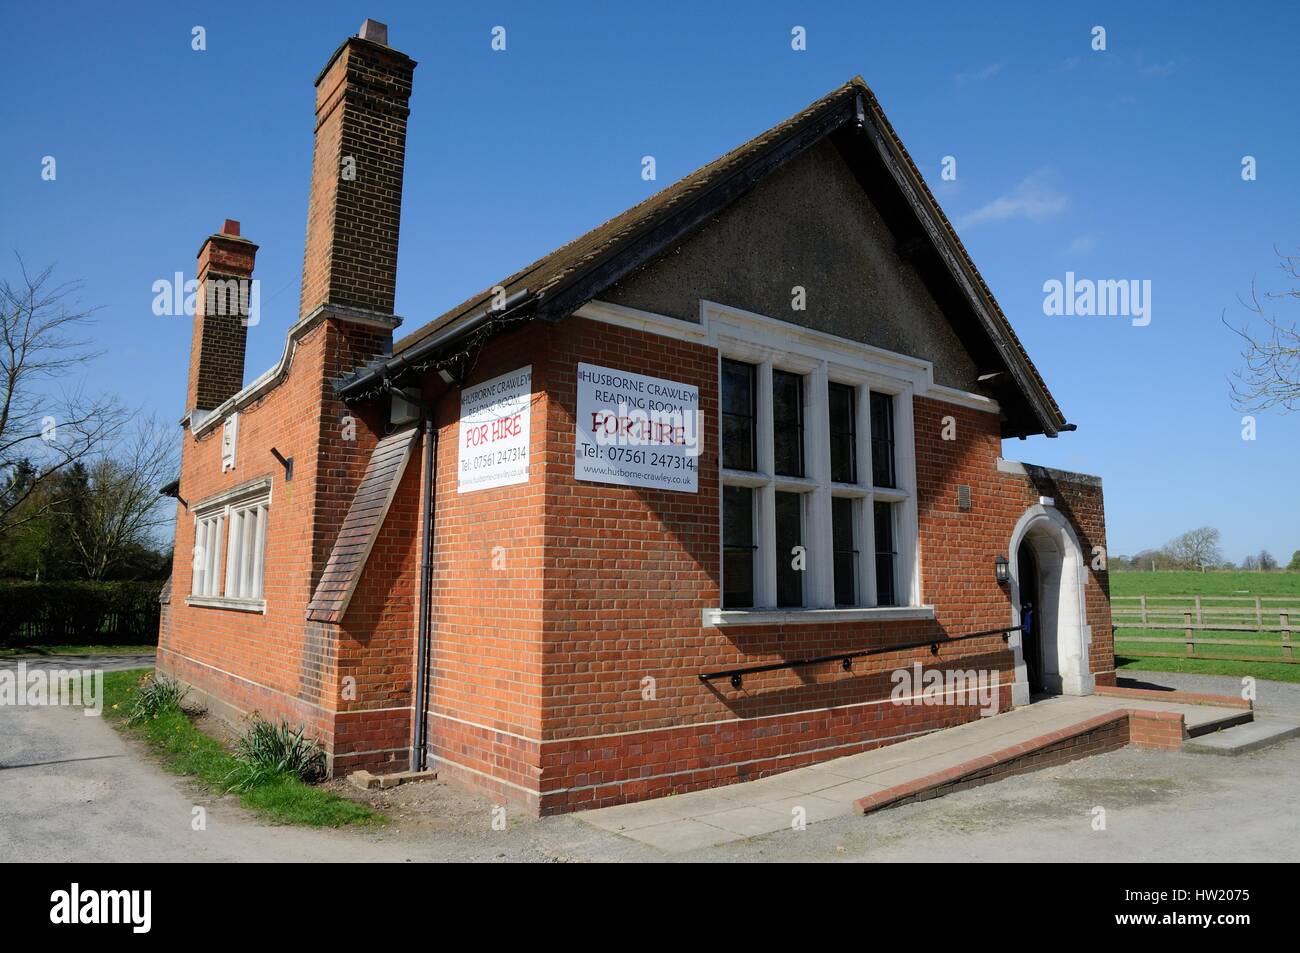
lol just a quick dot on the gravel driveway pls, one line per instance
(71, 788)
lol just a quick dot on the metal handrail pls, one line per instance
(736, 675)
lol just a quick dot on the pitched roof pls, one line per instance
(556, 285)
(361, 526)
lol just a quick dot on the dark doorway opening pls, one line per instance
(1031, 642)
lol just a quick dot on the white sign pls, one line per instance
(494, 419)
(634, 430)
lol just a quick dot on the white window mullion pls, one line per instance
(907, 528)
(819, 587)
(765, 496)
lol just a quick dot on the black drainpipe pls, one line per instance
(420, 731)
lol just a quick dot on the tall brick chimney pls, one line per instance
(221, 315)
(355, 208)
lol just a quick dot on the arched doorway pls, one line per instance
(1048, 572)
(1031, 600)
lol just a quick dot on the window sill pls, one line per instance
(221, 602)
(726, 617)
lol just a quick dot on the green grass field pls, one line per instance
(1205, 584)
(1167, 586)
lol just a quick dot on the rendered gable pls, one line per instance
(809, 224)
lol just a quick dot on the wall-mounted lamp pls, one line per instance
(1003, 569)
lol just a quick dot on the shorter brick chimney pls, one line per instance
(221, 318)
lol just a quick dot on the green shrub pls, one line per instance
(268, 753)
(79, 613)
(158, 695)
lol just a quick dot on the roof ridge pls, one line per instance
(667, 197)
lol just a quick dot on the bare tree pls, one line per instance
(123, 508)
(42, 422)
(1197, 548)
(1270, 371)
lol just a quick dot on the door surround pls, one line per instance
(1062, 616)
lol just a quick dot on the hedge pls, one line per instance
(79, 613)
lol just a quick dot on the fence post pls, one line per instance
(1284, 620)
(1189, 634)
(1144, 610)
(1259, 615)
(1199, 619)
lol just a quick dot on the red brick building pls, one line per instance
(669, 508)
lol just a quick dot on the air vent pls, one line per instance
(963, 497)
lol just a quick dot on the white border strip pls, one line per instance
(721, 320)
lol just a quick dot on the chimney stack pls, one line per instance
(221, 318)
(355, 207)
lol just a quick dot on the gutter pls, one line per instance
(376, 378)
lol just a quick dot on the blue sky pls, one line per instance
(1122, 164)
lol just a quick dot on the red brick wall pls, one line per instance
(958, 548)
(630, 570)
(486, 663)
(274, 663)
(537, 666)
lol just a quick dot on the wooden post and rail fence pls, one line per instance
(1205, 621)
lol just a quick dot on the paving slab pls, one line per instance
(748, 821)
(815, 807)
(1243, 739)
(675, 837)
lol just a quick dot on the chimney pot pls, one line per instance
(231, 227)
(374, 31)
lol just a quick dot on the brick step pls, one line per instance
(1219, 724)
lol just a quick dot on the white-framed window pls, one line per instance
(818, 485)
(230, 548)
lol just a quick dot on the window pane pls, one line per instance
(247, 555)
(738, 438)
(886, 556)
(233, 560)
(212, 566)
(844, 438)
(789, 536)
(737, 547)
(882, 440)
(787, 422)
(846, 554)
(200, 548)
